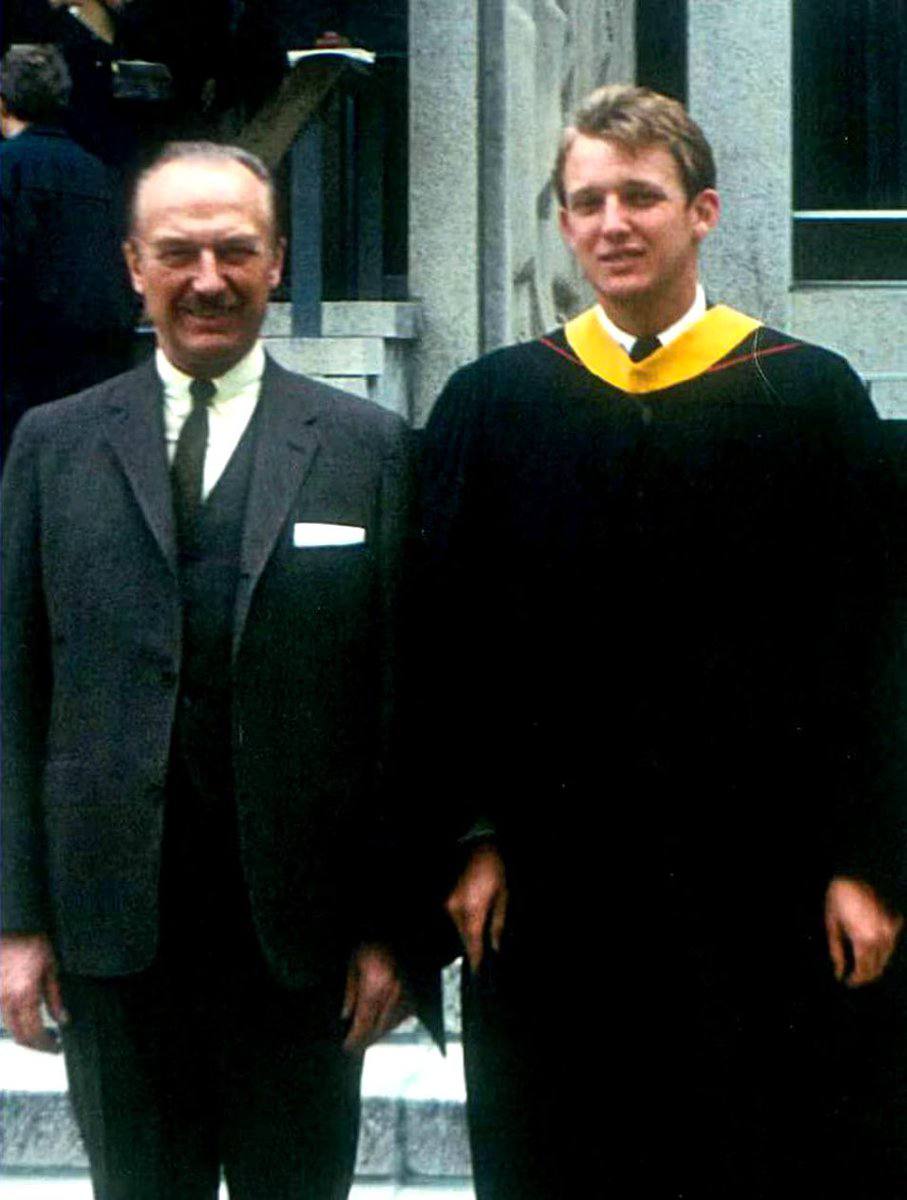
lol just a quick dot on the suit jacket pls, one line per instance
(91, 638)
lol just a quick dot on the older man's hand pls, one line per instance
(28, 979)
(375, 1000)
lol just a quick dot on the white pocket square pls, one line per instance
(317, 533)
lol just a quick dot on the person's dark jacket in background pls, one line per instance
(93, 118)
(66, 308)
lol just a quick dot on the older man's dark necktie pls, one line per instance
(644, 346)
(188, 468)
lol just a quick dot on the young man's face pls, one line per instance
(204, 257)
(632, 229)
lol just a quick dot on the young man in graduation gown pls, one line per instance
(643, 535)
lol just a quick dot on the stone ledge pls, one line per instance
(435, 1140)
(39, 1132)
(413, 1115)
(78, 1187)
(347, 356)
(399, 1138)
(889, 397)
(394, 319)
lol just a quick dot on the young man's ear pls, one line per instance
(706, 208)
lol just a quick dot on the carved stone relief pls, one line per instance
(556, 52)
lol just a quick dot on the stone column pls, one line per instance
(740, 92)
(444, 229)
(496, 51)
(540, 58)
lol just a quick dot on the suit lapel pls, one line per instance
(285, 448)
(134, 428)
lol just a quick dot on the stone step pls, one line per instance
(363, 348)
(391, 319)
(413, 1117)
(369, 367)
(341, 356)
(888, 390)
(44, 1187)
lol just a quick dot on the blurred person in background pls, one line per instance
(66, 308)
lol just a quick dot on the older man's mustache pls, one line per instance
(210, 308)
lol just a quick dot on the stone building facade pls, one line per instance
(491, 84)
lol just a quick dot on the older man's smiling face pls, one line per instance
(204, 256)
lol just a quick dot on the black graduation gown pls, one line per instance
(649, 586)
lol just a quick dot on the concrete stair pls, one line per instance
(412, 1143)
(413, 1123)
(79, 1188)
(364, 347)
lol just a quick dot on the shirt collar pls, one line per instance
(694, 313)
(247, 372)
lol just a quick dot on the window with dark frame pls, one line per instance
(850, 140)
(661, 46)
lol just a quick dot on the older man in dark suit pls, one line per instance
(202, 568)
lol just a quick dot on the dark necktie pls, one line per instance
(644, 346)
(188, 467)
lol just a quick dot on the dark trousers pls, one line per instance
(170, 1084)
(586, 1073)
(204, 1063)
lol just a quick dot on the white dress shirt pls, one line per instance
(694, 313)
(229, 413)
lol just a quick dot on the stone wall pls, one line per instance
(492, 83)
(444, 188)
(554, 55)
(740, 92)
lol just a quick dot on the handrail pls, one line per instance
(292, 120)
(302, 90)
